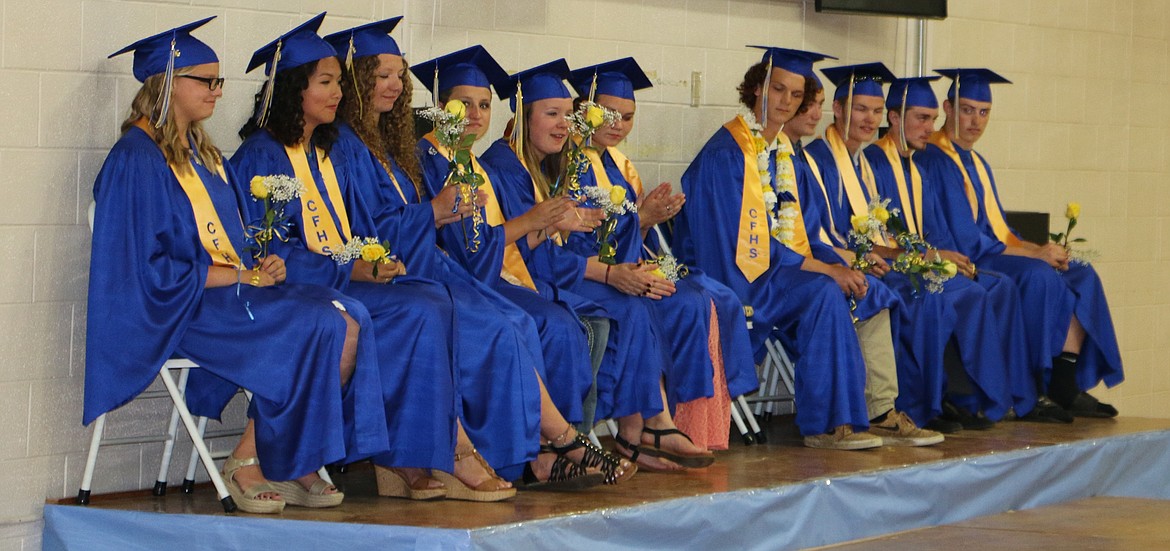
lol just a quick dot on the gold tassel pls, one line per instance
(357, 91)
(269, 86)
(849, 106)
(518, 124)
(764, 95)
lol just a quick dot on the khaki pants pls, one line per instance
(881, 372)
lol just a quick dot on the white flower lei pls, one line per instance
(782, 221)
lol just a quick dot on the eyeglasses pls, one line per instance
(213, 83)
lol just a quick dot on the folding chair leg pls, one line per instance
(593, 438)
(91, 460)
(225, 498)
(748, 438)
(193, 461)
(751, 419)
(160, 483)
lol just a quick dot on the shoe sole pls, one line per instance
(295, 494)
(392, 485)
(845, 446)
(912, 442)
(457, 490)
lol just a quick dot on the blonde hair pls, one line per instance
(167, 136)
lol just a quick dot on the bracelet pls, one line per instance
(255, 278)
(607, 267)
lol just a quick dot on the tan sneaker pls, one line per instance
(843, 438)
(899, 430)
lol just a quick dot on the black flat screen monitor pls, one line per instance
(927, 9)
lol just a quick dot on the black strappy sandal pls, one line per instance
(564, 476)
(688, 461)
(595, 457)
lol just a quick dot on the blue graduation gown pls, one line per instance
(635, 359)
(686, 315)
(1049, 298)
(412, 318)
(147, 303)
(497, 344)
(807, 310)
(563, 338)
(968, 316)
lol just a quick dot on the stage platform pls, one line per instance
(779, 495)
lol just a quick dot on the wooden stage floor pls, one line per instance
(780, 461)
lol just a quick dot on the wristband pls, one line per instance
(607, 267)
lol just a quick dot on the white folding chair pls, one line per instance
(176, 392)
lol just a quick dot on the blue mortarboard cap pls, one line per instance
(297, 47)
(541, 82)
(867, 79)
(618, 78)
(912, 92)
(472, 66)
(793, 61)
(973, 84)
(369, 39)
(152, 54)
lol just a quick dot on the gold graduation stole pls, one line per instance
(800, 234)
(540, 194)
(321, 234)
(752, 250)
(215, 242)
(914, 220)
(994, 214)
(816, 172)
(849, 180)
(627, 169)
(514, 265)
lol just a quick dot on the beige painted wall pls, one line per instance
(1082, 122)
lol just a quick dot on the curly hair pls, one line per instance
(286, 117)
(167, 137)
(752, 79)
(390, 135)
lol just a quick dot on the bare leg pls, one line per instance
(467, 469)
(349, 350)
(1075, 338)
(630, 428)
(249, 476)
(555, 430)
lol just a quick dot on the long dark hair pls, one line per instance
(286, 118)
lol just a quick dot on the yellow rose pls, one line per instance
(373, 252)
(456, 107)
(860, 223)
(594, 116)
(881, 214)
(950, 268)
(1073, 210)
(658, 272)
(259, 190)
(617, 195)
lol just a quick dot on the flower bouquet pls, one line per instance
(583, 123)
(277, 191)
(1081, 256)
(450, 123)
(613, 203)
(366, 248)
